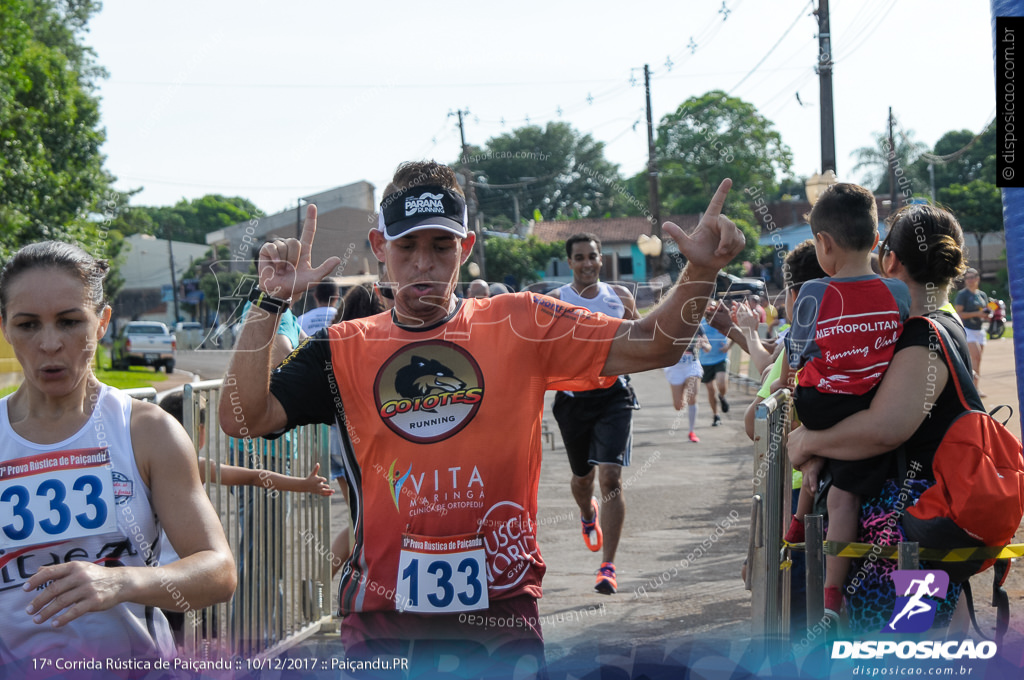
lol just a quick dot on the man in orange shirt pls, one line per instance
(441, 403)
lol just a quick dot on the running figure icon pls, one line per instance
(915, 605)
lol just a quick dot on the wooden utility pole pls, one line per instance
(828, 128)
(654, 263)
(174, 282)
(891, 162)
(471, 204)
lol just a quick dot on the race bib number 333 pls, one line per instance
(56, 497)
(442, 574)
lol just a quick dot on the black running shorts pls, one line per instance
(596, 426)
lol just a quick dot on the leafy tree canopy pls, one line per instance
(711, 137)
(556, 172)
(187, 220)
(520, 260)
(51, 175)
(970, 159)
(978, 207)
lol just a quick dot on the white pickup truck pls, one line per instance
(144, 343)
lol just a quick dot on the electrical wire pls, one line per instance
(799, 16)
(870, 33)
(950, 157)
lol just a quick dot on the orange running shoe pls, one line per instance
(606, 583)
(592, 534)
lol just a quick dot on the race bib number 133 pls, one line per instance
(55, 497)
(442, 574)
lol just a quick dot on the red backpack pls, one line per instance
(978, 496)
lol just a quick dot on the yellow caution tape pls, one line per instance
(890, 552)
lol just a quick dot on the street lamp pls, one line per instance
(650, 246)
(816, 184)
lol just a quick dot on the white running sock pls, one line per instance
(692, 409)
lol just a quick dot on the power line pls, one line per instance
(949, 157)
(870, 34)
(214, 185)
(345, 86)
(799, 16)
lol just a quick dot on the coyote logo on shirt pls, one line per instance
(429, 391)
(423, 377)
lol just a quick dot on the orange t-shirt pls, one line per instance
(443, 450)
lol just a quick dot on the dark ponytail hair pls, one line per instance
(929, 242)
(58, 255)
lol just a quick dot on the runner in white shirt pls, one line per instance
(85, 473)
(326, 296)
(597, 425)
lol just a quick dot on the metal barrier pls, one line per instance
(736, 375)
(142, 393)
(769, 582)
(281, 540)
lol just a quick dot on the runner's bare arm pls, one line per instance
(628, 302)
(660, 338)
(247, 408)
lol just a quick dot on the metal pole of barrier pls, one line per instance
(326, 536)
(279, 598)
(772, 480)
(814, 534)
(909, 557)
(755, 537)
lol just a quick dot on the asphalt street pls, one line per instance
(685, 536)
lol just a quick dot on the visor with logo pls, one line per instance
(422, 207)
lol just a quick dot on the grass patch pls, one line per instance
(135, 376)
(138, 376)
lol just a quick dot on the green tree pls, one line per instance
(553, 170)
(522, 260)
(51, 170)
(978, 206)
(962, 158)
(200, 216)
(708, 138)
(188, 221)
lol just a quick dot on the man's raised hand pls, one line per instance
(715, 241)
(284, 266)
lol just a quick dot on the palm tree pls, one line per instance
(873, 161)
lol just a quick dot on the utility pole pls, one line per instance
(891, 161)
(174, 283)
(931, 177)
(828, 128)
(471, 204)
(653, 262)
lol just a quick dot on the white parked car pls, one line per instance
(144, 343)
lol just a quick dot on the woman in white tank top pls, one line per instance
(88, 477)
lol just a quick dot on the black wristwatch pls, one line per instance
(266, 302)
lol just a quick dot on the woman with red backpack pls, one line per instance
(915, 404)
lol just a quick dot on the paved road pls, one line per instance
(679, 495)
